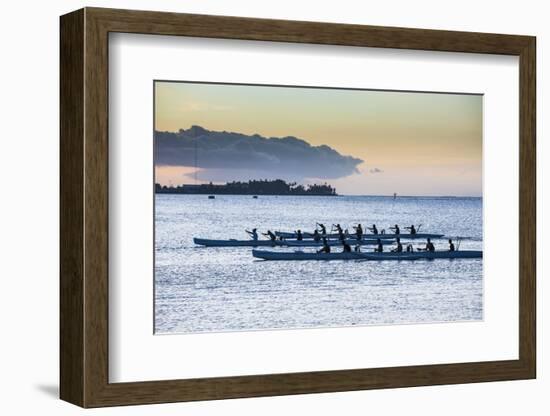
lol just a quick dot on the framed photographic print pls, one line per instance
(255, 207)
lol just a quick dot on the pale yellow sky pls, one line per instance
(423, 143)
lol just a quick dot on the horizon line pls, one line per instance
(337, 194)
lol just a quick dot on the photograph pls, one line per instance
(284, 207)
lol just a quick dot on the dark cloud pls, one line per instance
(376, 170)
(265, 157)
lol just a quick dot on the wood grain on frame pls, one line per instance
(71, 210)
(84, 207)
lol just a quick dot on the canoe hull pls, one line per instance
(274, 255)
(289, 243)
(234, 243)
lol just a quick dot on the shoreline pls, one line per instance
(327, 195)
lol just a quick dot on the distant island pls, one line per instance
(254, 187)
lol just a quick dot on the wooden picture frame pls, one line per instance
(84, 207)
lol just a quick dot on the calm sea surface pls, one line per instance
(201, 289)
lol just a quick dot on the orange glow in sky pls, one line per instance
(411, 143)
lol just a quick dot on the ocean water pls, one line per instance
(199, 289)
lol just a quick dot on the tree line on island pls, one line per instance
(253, 187)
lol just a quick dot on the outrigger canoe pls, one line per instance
(279, 243)
(418, 255)
(285, 234)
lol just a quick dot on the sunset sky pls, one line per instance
(410, 143)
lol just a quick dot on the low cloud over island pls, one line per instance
(224, 156)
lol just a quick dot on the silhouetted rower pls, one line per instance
(253, 234)
(411, 229)
(373, 229)
(359, 232)
(429, 246)
(271, 236)
(451, 245)
(399, 248)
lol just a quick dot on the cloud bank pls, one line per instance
(218, 154)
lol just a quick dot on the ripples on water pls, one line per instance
(201, 289)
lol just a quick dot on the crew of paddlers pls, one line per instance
(339, 244)
(320, 234)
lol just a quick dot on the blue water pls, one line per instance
(201, 289)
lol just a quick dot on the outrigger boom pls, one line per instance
(285, 234)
